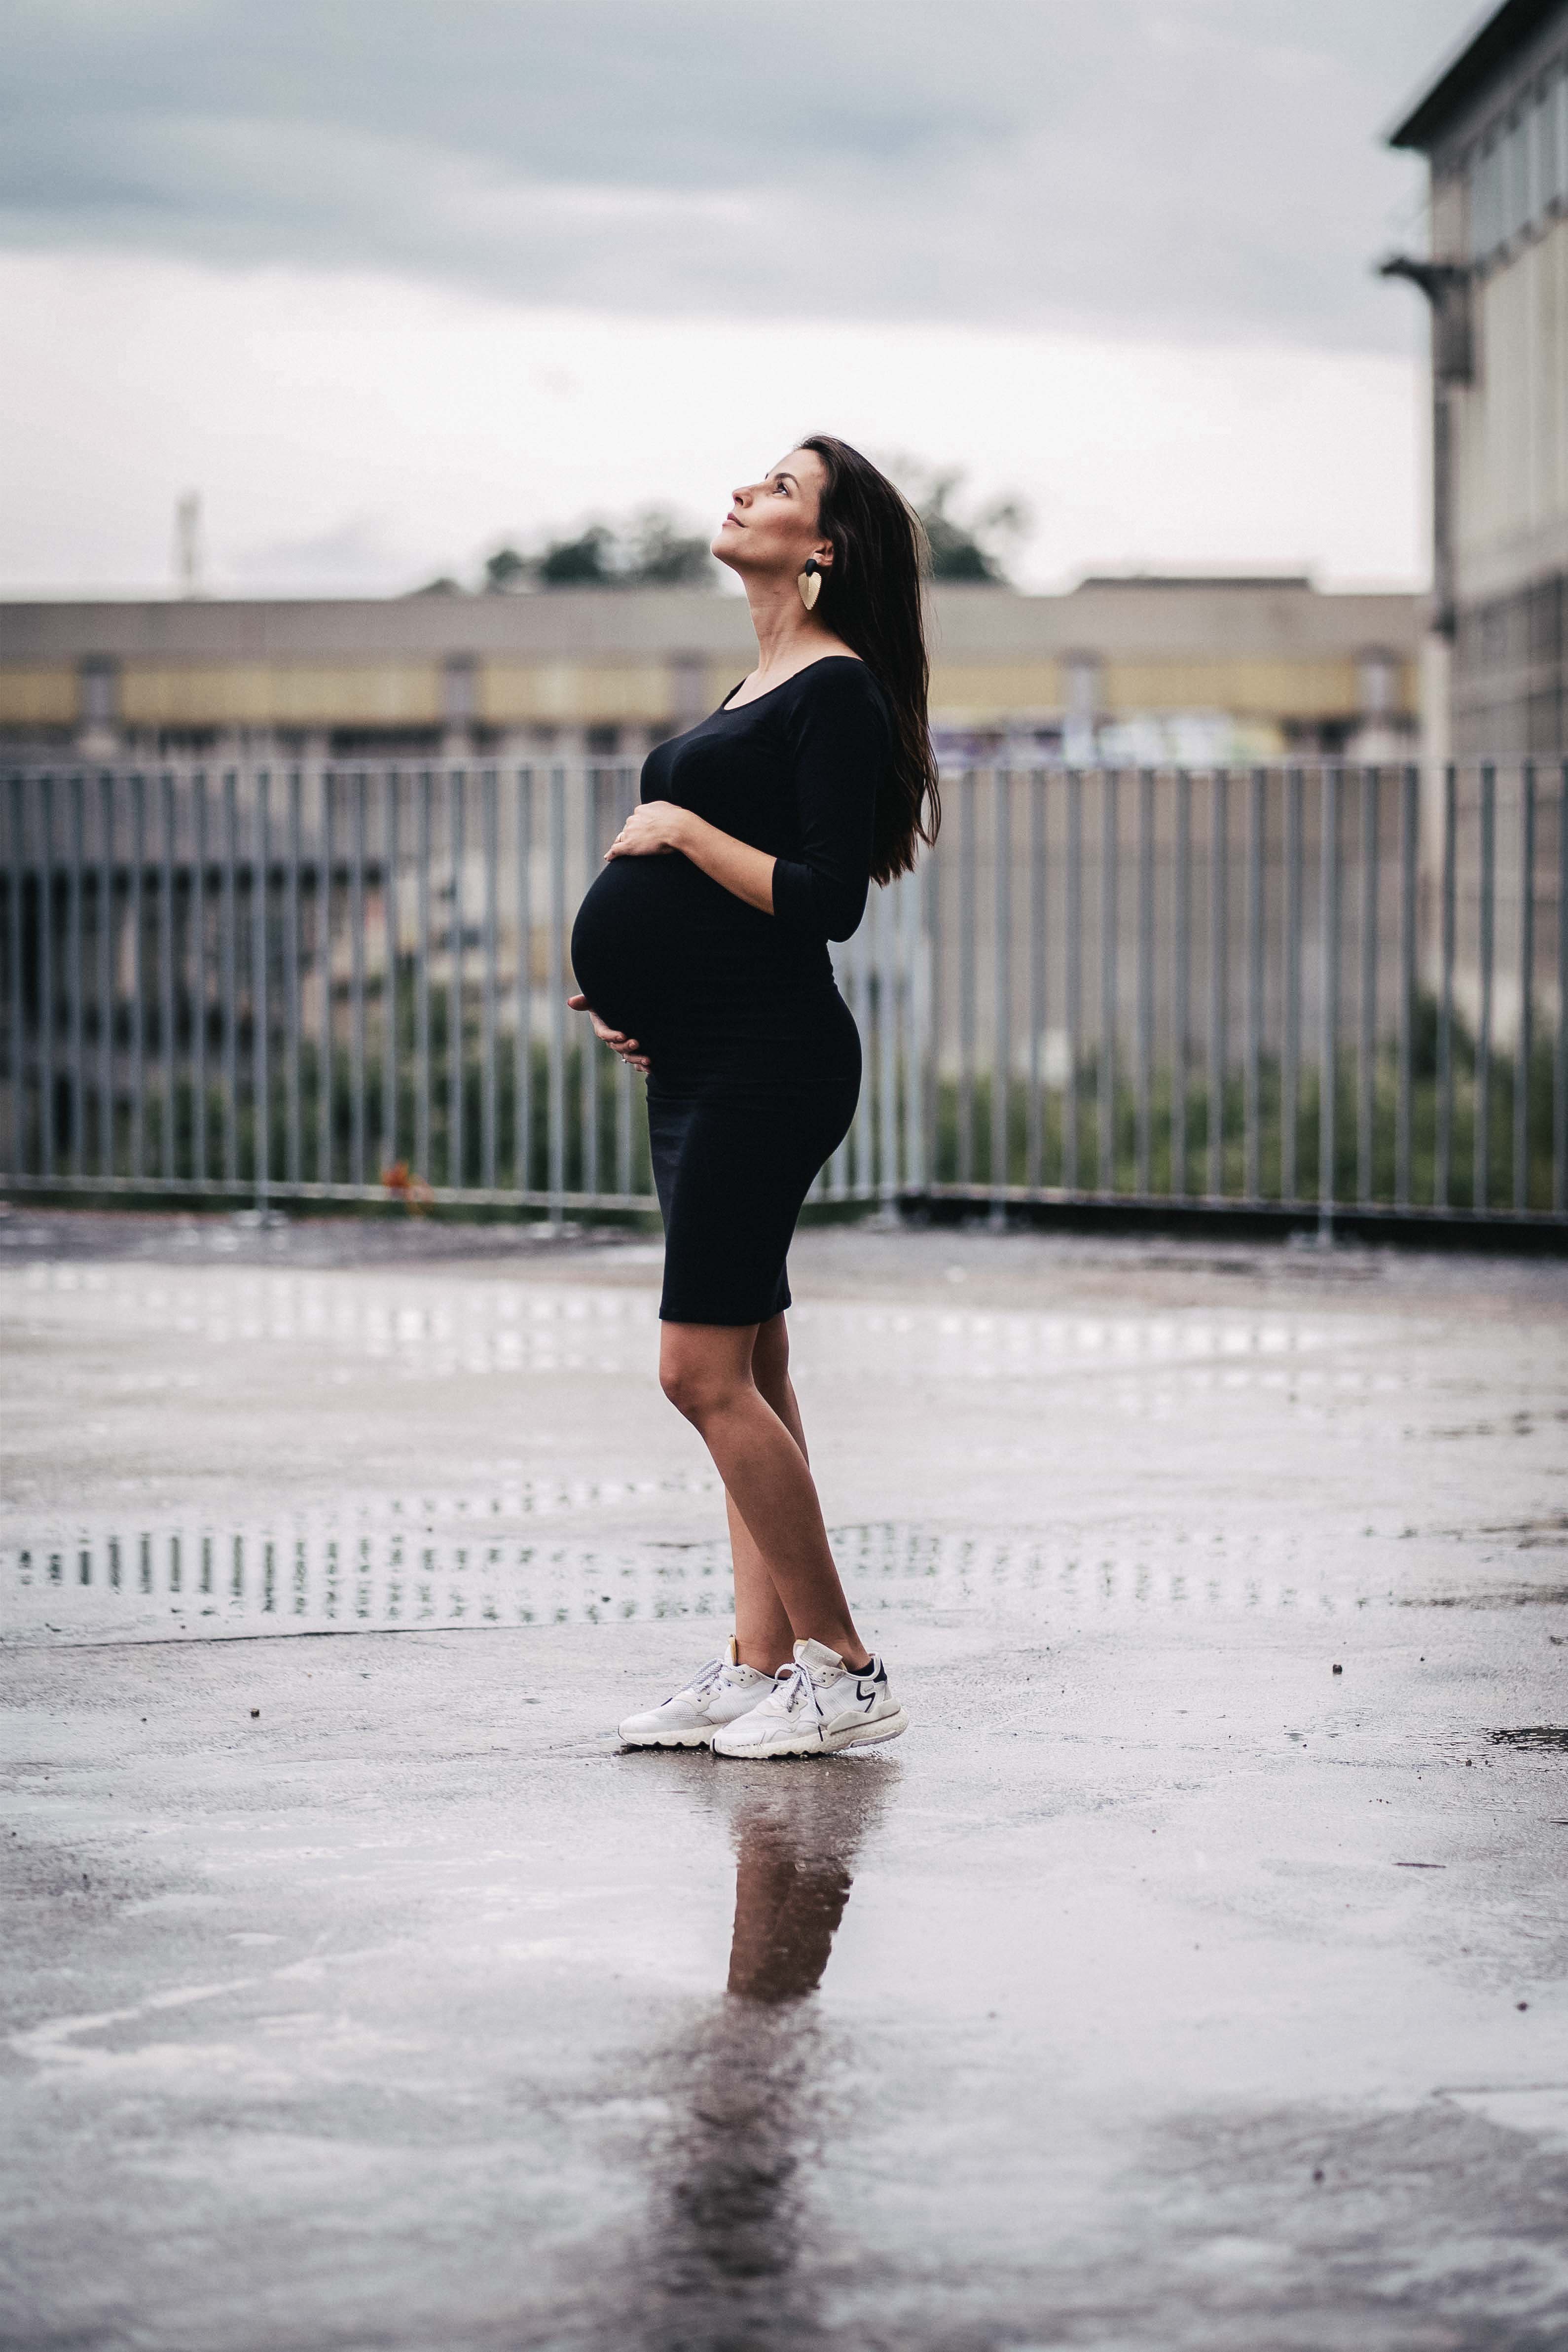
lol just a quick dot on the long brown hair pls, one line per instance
(871, 597)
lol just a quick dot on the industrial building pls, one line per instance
(1494, 128)
(1128, 670)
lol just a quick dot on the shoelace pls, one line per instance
(791, 1684)
(703, 1680)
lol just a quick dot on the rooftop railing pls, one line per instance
(1311, 989)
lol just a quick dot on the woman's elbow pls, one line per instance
(844, 917)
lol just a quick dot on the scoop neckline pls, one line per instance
(728, 709)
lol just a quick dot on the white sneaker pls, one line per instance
(814, 1706)
(714, 1696)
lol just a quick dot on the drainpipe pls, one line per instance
(1447, 286)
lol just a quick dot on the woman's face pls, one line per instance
(771, 526)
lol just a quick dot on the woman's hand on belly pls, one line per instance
(616, 1039)
(654, 829)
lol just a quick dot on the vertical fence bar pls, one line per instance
(260, 993)
(1329, 1009)
(46, 975)
(107, 1010)
(588, 1045)
(138, 1000)
(925, 1015)
(1145, 976)
(291, 982)
(1409, 818)
(1480, 1183)
(1034, 1172)
(1219, 972)
(1180, 982)
(230, 980)
(1256, 825)
(1110, 989)
(17, 1038)
(888, 1173)
(523, 1116)
(48, 993)
(456, 783)
(1526, 987)
(199, 969)
(861, 1135)
(76, 985)
(487, 984)
(1002, 977)
(1560, 1059)
(423, 1136)
(625, 801)
(555, 1123)
(1072, 939)
(1443, 1172)
(166, 969)
(1290, 1023)
(390, 878)
(356, 982)
(325, 1155)
(1366, 1031)
(967, 977)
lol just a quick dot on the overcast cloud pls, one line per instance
(1199, 168)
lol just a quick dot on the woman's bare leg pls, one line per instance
(707, 1372)
(765, 1637)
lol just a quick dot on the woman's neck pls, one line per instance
(788, 636)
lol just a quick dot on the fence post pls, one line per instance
(555, 1138)
(1526, 987)
(1481, 1180)
(1109, 847)
(1328, 1057)
(261, 1074)
(1002, 1011)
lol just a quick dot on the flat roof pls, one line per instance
(1478, 54)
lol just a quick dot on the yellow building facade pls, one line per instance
(1134, 669)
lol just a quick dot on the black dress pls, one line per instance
(754, 1056)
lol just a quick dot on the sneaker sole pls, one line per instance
(886, 1726)
(665, 1739)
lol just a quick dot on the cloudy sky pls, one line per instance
(387, 282)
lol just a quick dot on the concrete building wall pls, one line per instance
(1264, 666)
(1495, 130)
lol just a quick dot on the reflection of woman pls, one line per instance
(702, 954)
(750, 2085)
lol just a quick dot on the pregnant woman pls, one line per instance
(702, 955)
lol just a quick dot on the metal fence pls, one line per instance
(1316, 986)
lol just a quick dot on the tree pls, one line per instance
(959, 550)
(586, 561)
(661, 555)
(650, 550)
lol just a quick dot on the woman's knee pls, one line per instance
(700, 1382)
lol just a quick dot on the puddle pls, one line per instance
(481, 1560)
(434, 1328)
(1552, 1737)
(1501, 1596)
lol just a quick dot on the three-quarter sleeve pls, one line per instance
(839, 741)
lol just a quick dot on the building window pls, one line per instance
(1519, 174)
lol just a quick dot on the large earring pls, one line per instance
(809, 583)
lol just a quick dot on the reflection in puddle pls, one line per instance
(752, 2088)
(486, 1561)
(429, 1327)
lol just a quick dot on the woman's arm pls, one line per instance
(656, 827)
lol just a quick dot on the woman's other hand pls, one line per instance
(617, 1040)
(653, 829)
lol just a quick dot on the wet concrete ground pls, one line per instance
(1162, 1988)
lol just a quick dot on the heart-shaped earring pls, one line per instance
(809, 583)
